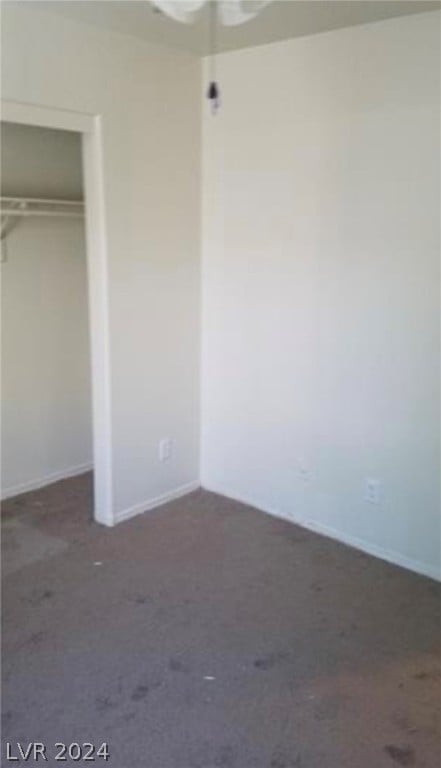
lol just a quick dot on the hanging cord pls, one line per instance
(213, 93)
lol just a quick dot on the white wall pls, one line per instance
(321, 284)
(46, 415)
(149, 100)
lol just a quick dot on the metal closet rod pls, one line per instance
(22, 206)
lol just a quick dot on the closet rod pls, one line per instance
(19, 213)
(41, 200)
(38, 206)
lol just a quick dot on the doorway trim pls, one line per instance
(90, 128)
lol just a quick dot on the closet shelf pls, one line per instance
(32, 206)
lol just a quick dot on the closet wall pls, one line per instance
(46, 398)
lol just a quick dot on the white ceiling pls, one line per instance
(280, 20)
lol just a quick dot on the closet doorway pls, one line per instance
(55, 373)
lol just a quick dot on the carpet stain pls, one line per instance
(141, 691)
(401, 755)
(423, 675)
(266, 663)
(39, 597)
(36, 638)
(138, 599)
(176, 666)
(104, 703)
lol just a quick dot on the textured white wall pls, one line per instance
(149, 100)
(46, 417)
(321, 284)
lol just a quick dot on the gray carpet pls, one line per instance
(205, 634)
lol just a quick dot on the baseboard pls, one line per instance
(396, 558)
(157, 501)
(33, 485)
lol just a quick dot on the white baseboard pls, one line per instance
(145, 506)
(396, 558)
(33, 485)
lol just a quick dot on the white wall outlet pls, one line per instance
(373, 490)
(165, 450)
(304, 471)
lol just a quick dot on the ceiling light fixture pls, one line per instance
(229, 13)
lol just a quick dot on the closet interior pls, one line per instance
(46, 380)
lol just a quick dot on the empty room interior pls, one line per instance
(220, 377)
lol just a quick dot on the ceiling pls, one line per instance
(280, 20)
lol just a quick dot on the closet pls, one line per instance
(46, 379)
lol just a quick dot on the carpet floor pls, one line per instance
(206, 634)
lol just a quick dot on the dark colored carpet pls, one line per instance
(206, 634)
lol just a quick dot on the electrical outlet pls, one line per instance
(165, 449)
(373, 490)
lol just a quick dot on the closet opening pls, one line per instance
(55, 390)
